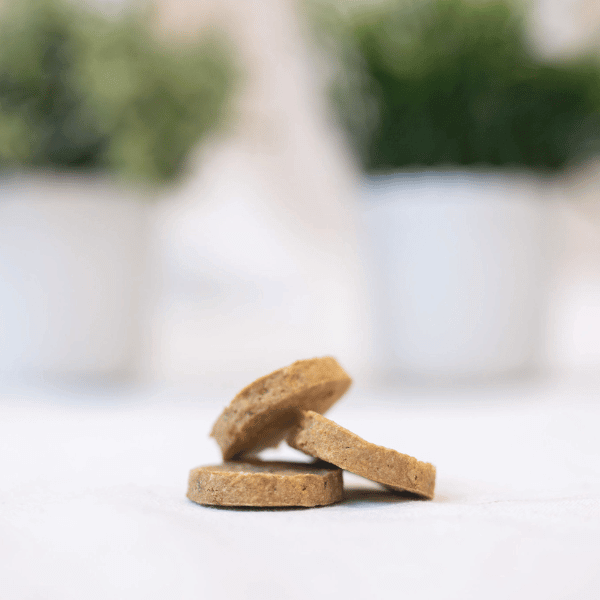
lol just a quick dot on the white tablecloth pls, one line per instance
(93, 506)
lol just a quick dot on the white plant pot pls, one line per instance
(71, 261)
(459, 272)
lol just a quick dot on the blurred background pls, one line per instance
(195, 193)
(201, 192)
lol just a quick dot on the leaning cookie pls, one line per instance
(319, 437)
(261, 415)
(266, 483)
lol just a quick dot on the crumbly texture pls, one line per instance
(319, 437)
(262, 414)
(266, 483)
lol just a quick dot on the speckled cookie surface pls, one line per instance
(261, 415)
(322, 438)
(266, 483)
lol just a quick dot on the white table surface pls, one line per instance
(92, 500)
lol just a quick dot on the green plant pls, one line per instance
(449, 82)
(82, 91)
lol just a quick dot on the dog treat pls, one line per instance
(261, 415)
(319, 437)
(266, 483)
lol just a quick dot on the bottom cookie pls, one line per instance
(266, 483)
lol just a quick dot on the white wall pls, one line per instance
(574, 320)
(259, 248)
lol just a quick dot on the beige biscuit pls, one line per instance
(261, 415)
(266, 483)
(319, 437)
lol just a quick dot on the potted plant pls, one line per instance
(96, 114)
(460, 128)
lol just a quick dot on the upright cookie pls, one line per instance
(264, 483)
(261, 415)
(319, 437)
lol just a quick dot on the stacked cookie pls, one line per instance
(288, 404)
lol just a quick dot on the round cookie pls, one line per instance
(319, 437)
(261, 415)
(266, 483)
